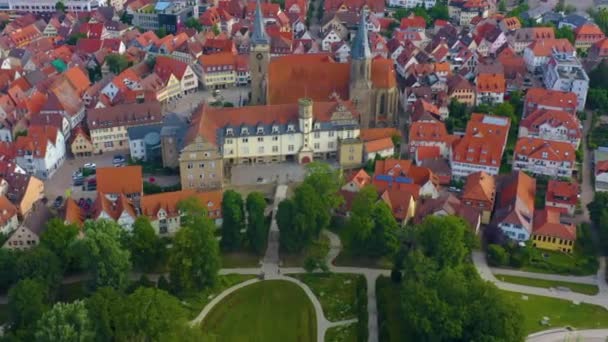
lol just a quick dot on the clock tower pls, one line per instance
(259, 56)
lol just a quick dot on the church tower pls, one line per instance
(360, 73)
(259, 56)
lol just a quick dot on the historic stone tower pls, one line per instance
(259, 56)
(361, 73)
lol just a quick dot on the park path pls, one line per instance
(560, 335)
(589, 280)
(485, 272)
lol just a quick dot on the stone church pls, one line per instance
(370, 83)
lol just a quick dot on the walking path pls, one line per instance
(561, 335)
(485, 272)
(590, 280)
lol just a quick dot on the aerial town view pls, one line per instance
(303, 170)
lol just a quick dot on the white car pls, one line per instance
(90, 166)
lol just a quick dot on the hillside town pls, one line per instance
(354, 158)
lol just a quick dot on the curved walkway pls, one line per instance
(485, 272)
(560, 335)
(589, 280)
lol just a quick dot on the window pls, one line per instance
(245, 140)
(275, 138)
(317, 146)
(331, 134)
(228, 141)
(330, 145)
(261, 149)
(290, 148)
(317, 135)
(244, 131)
(290, 128)
(275, 149)
(201, 165)
(260, 139)
(260, 130)
(317, 125)
(229, 131)
(351, 149)
(275, 129)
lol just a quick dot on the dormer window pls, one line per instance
(290, 128)
(229, 132)
(275, 129)
(260, 130)
(244, 131)
(317, 125)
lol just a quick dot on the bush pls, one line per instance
(361, 305)
(163, 284)
(396, 275)
(497, 255)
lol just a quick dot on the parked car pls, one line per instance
(77, 174)
(90, 185)
(78, 181)
(58, 202)
(90, 166)
(118, 160)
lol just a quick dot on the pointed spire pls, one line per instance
(259, 35)
(360, 48)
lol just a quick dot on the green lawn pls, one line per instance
(196, 302)
(581, 288)
(560, 312)
(318, 249)
(343, 333)
(390, 327)
(336, 292)
(273, 310)
(240, 259)
(577, 263)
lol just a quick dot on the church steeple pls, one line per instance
(361, 48)
(259, 35)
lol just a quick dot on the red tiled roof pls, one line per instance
(554, 118)
(545, 47)
(399, 201)
(562, 192)
(480, 186)
(541, 97)
(547, 223)
(360, 178)
(491, 83)
(379, 145)
(168, 201)
(369, 134)
(556, 151)
(120, 180)
(427, 152)
(484, 140)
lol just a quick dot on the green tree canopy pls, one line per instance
(447, 240)
(233, 220)
(27, 301)
(8, 269)
(117, 63)
(41, 264)
(58, 238)
(73, 38)
(257, 226)
(147, 249)
(194, 258)
(60, 6)
(104, 256)
(193, 22)
(104, 308)
(565, 32)
(65, 322)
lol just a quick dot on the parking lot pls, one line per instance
(61, 182)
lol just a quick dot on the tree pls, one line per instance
(565, 32)
(104, 256)
(104, 308)
(148, 314)
(257, 227)
(445, 239)
(233, 220)
(65, 322)
(598, 77)
(439, 11)
(73, 38)
(600, 17)
(193, 23)
(60, 6)
(161, 32)
(361, 223)
(117, 63)
(58, 237)
(289, 237)
(216, 29)
(147, 249)
(8, 269)
(384, 233)
(194, 258)
(502, 6)
(497, 255)
(41, 264)
(27, 301)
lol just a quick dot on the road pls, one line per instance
(563, 335)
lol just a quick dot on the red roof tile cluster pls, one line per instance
(562, 192)
(547, 223)
(552, 99)
(556, 151)
(168, 201)
(491, 83)
(480, 187)
(484, 140)
(120, 180)
(553, 118)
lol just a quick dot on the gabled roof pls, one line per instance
(562, 192)
(378, 145)
(168, 201)
(368, 134)
(73, 213)
(547, 223)
(545, 47)
(120, 180)
(7, 210)
(113, 208)
(360, 178)
(551, 98)
(479, 186)
(556, 151)
(553, 118)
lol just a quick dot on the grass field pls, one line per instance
(196, 302)
(560, 312)
(343, 333)
(336, 292)
(562, 263)
(270, 311)
(574, 287)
